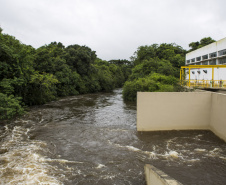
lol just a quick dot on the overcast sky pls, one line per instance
(113, 28)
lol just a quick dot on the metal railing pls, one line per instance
(201, 83)
(205, 83)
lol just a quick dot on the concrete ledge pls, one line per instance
(155, 176)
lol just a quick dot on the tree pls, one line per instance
(203, 42)
(206, 41)
(144, 53)
(10, 106)
(43, 88)
(47, 57)
(35, 76)
(151, 83)
(194, 45)
(80, 58)
(162, 61)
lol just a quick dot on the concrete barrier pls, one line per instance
(168, 111)
(181, 111)
(155, 176)
(218, 119)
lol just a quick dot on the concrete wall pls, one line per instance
(218, 110)
(181, 111)
(155, 176)
(168, 111)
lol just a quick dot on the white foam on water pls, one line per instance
(183, 155)
(152, 155)
(174, 154)
(109, 177)
(200, 150)
(133, 148)
(41, 120)
(193, 160)
(171, 154)
(100, 166)
(216, 152)
(21, 163)
(224, 158)
(62, 161)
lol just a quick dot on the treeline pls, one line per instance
(156, 69)
(30, 76)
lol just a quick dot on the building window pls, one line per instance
(193, 60)
(213, 62)
(199, 63)
(198, 58)
(188, 61)
(204, 57)
(222, 60)
(222, 52)
(212, 55)
(205, 63)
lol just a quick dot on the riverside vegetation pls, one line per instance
(30, 76)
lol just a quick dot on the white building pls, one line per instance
(212, 54)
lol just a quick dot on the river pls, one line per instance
(92, 139)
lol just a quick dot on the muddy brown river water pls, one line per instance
(92, 139)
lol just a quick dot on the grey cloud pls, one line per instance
(113, 28)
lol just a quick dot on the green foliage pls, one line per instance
(41, 75)
(105, 78)
(157, 69)
(153, 83)
(30, 76)
(153, 66)
(49, 58)
(80, 58)
(10, 106)
(164, 59)
(6, 86)
(43, 86)
(171, 52)
(203, 42)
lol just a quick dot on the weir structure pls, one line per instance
(157, 111)
(204, 68)
(182, 111)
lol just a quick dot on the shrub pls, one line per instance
(152, 83)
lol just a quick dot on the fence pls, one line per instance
(210, 82)
(205, 83)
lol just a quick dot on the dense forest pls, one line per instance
(30, 76)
